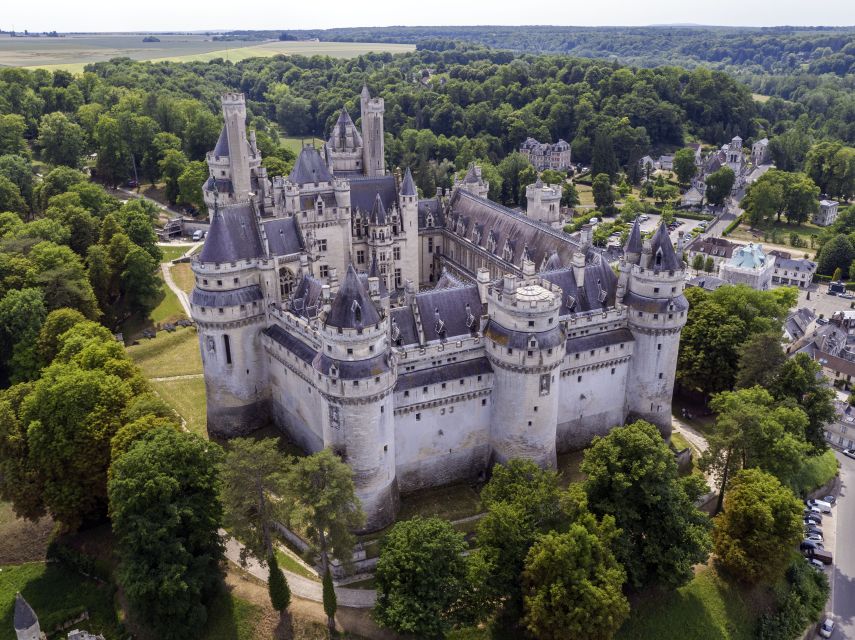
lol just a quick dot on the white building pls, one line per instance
(544, 155)
(827, 213)
(791, 271)
(749, 265)
(522, 342)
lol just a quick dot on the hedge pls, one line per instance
(693, 216)
(732, 226)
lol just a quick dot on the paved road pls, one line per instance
(842, 599)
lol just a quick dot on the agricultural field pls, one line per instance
(73, 52)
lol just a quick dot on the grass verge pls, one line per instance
(171, 253)
(183, 276)
(169, 309)
(187, 397)
(169, 354)
(816, 472)
(288, 563)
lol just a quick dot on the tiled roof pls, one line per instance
(597, 292)
(664, 256)
(305, 300)
(222, 147)
(599, 340)
(364, 190)
(408, 186)
(444, 313)
(633, 241)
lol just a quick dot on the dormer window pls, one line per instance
(357, 312)
(659, 257)
(429, 220)
(439, 325)
(507, 252)
(470, 317)
(319, 206)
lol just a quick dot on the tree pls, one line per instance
(254, 480)
(572, 583)
(114, 158)
(837, 253)
(10, 197)
(190, 185)
(698, 262)
(277, 587)
(684, 165)
(55, 325)
(420, 576)
(22, 312)
(800, 380)
(837, 275)
(330, 601)
(709, 264)
(762, 200)
(61, 140)
(603, 156)
(754, 537)
(760, 359)
(632, 475)
(509, 169)
(719, 184)
(17, 169)
(604, 196)
(172, 165)
(59, 180)
(59, 271)
(12, 129)
(166, 516)
(325, 504)
(753, 430)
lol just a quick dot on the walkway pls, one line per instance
(182, 297)
(303, 587)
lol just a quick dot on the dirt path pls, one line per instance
(182, 297)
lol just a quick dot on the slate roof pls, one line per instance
(404, 331)
(24, 617)
(706, 282)
(633, 241)
(364, 190)
(310, 168)
(233, 236)
(233, 298)
(656, 305)
(352, 307)
(378, 211)
(222, 147)
(598, 292)
(553, 262)
(750, 256)
(374, 272)
(711, 246)
(294, 345)
(667, 260)
(431, 206)
(408, 186)
(352, 369)
(283, 236)
(520, 339)
(444, 315)
(339, 130)
(444, 373)
(471, 176)
(522, 234)
(447, 281)
(305, 300)
(599, 340)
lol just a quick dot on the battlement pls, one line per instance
(233, 99)
(375, 104)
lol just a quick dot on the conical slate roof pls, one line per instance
(222, 148)
(374, 272)
(340, 129)
(471, 176)
(352, 307)
(633, 242)
(24, 617)
(552, 263)
(233, 236)
(664, 256)
(310, 168)
(408, 186)
(378, 211)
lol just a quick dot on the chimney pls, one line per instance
(587, 234)
(333, 279)
(528, 268)
(483, 279)
(409, 292)
(510, 283)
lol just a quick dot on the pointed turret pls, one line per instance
(472, 176)
(632, 249)
(408, 186)
(378, 211)
(352, 307)
(345, 137)
(365, 95)
(663, 256)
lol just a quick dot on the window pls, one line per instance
(655, 289)
(418, 416)
(579, 379)
(360, 256)
(660, 375)
(430, 245)
(484, 402)
(510, 351)
(221, 310)
(228, 349)
(531, 323)
(325, 271)
(396, 253)
(287, 282)
(350, 352)
(236, 280)
(406, 394)
(219, 283)
(659, 347)
(613, 370)
(204, 281)
(398, 276)
(655, 316)
(322, 245)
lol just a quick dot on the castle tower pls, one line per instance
(473, 183)
(374, 163)
(656, 313)
(229, 308)
(344, 148)
(409, 199)
(25, 620)
(525, 345)
(234, 114)
(543, 203)
(358, 379)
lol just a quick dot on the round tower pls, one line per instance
(656, 314)
(525, 345)
(229, 309)
(357, 379)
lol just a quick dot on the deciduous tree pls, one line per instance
(719, 184)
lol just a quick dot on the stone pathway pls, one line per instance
(187, 376)
(303, 587)
(182, 297)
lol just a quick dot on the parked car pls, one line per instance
(198, 235)
(812, 530)
(810, 546)
(821, 554)
(814, 514)
(832, 500)
(811, 520)
(822, 505)
(813, 537)
(816, 564)
(643, 217)
(823, 321)
(826, 628)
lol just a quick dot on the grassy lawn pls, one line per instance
(306, 48)
(817, 471)
(451, 503)
(187, 397)
(169, 309)
(183, 276)
(173, 252)
(20, 539)
(586, 195)
(288, 563)
(169, 354)
(759, 97)
(56, 594)
(763, 234)
(708, 608)
(295, 145)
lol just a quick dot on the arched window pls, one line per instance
(286, 282)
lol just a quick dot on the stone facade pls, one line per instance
(422, 339)
(543, 203)
(827, 213)
(748, 265)
(544, 155)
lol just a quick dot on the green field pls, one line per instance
(169, 354)
(187, 397)
(296, 144)
(73, 52)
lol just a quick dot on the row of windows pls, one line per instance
(443, 386)
(451, 410)
(219, 282)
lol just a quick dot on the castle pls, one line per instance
(420, 338)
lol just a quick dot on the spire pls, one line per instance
(471, 176)
(352, 307)
(378, 212)
(663, 256)
(408, 187)
(365, 94)
(374, 272)
(633, 242)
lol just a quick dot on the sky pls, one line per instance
(193, 15)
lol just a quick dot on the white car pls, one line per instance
(816, 564)
(814, 537)
(849, 453)
(643, 217)
(822, 505)
(826, 628)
